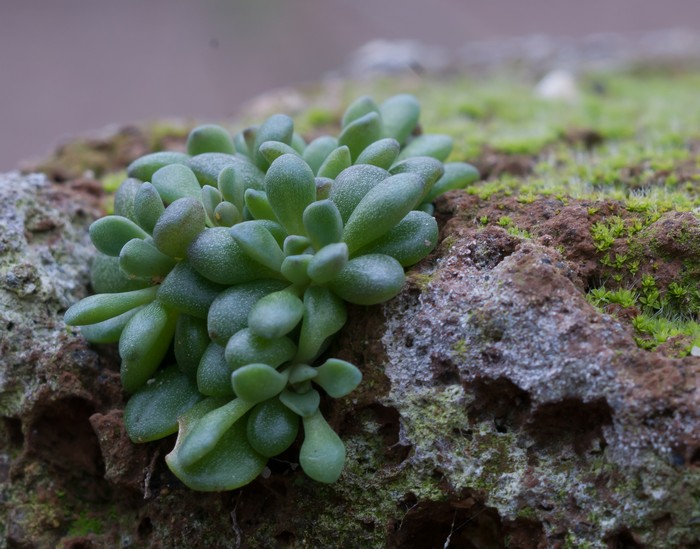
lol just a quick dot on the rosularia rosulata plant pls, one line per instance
(240, 256)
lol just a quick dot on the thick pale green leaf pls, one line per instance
(226, 214)
(229, 464)
(244, 348)
(232, 187)
(290, 188)
(324, 315)
(357, 109)
(190, 342)
(352, 185)
(209, 138)
(208, 166)
(258, 382)
(302, 404)
(427, 168)
(107, 277)
(275, 315)
(213, 373)
(141, 259)
(278, 127)
(400, 115)
(271, 427)
(180, 223)
(185, 290)
(413, 238)
(110, 233)
(436, 145)
(245, 141)
(125, 198)
(295, 268)
(337, 377)
(143, 344)
(143, 168)
(152, 411)
(328, 262)
(322, 454)
(217, 256)
(335, 162)
(298, 143)
(176, 181)
(211, 198)
(229, 312)
(318, 150)
(273, 149)
(296, 244)
(100, 307)
(381, 153)
(148, 207)
(369, 279)
(323, 223)
(381, 208)
(256, 241)
(301, 373)
(323, 187)
(457, 176)
(259, 205)
(110, 330)
(360, 133)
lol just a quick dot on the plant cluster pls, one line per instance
(224, 273)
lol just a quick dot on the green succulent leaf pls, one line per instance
(209, 138)
(211, 198)
(185, 290)
(256, 241)
(318, 150)
(213, 373)
(229, 312)
(258, 382)
(298, 143)
(152, 411)
(271, 427)
(337, 377)
(357, 109)
(413, 238)
(216, 255)
(106, 277)
(148, 207)
(360, 133)
(278, 127)
(143, 344)
(435, 145)
(125, 198)
(176, 181)
(296, 244)
(322, 454)
(323, 187)
(110, 330)
(109, 234)
(190, 342)
(208, 166)
(295, 269)
(381, 153)
(180, 223)
(273, 149)
(324, 315)
(232, 187)
(301, 373)
(302, 404)
(205, 433)
(245, 141)
(290, 188)
(457, 176)
(336, 161)
(369, 279)
(228, 464)
(100, 307)
(226, 214)
(427, 168)
(259, 205)
(400, 115)
(328, 262)
(381, 208)
(351, 186)
(275, 315)
(245, 347)
(141, 259)
(143, 168)
(323, 223)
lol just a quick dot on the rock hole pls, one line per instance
(623, 539)
(10, 326)
(695, 457)
(145, 528)
(389, 427)
(499, 401)
(13, 427)
(285, 538)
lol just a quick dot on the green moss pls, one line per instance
(85, 524)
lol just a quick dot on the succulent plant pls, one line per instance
(240, 257)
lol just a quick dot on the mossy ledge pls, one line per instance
(507, 400)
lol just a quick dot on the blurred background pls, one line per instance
(71, 66)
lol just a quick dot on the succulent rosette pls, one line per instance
(240, 257)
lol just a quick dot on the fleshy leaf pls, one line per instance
(125, 198)
(457, 176)
(211, 198)
(273, 149)
(360, 133)
(208, 166)
(209, 138)
(436, 145)
(141, 259)
(400, 115)
(152, 411)
(100, 307)
(337, 377)
(324, 315)
(296, 244)
(256, 241)
(110, 330)
(232, 187)
(275, 315)
(148, 207)
(226, 214)
(301, 373)
(278, 127)
(176, 181)
(328, 262)
(213, 373)
(352, 185)
(259, 205)
(180, 223)
(298, 143)
(244, 347)
(427, 168)
(335, 162)
(295, 268)
(381, 153)
(107, 277)
(290, 188)
(272, 427)
(369, 279)
(322, 455)
(143, 168)
(323, 223)
(318, 150)
(258, 382)
(302, 404)
(109, 234)
(190, 342)
(357, 109)
(323, 187)
(185, 290)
